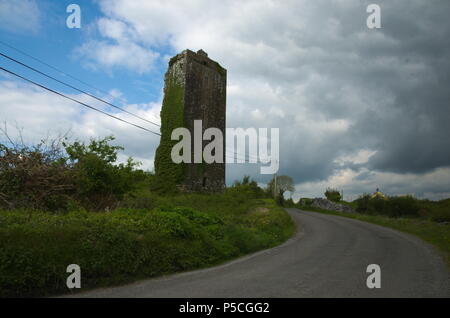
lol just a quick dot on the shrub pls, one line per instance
(147, 235)
(437, 211)
(402, 206)
(100, 183)
(249, 187)
(304, 201)
(393, 206)
(56, 175)
(34, 177)
(289, 203)
(333, 195)
(127, 244)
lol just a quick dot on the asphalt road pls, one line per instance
(327, 257)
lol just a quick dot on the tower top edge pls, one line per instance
(201, 56)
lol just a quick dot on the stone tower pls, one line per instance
(194, 89)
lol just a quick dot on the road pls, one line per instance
(327, 257)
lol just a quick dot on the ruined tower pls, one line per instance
(194, 89)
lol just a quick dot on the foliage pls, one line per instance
(289, 203)
(56, 175)
(33, 176)
(333, 195)
(99, 182)
(246, 180)
(304, 201)
(393, 206)
(182, 232)
(111, 223)
(249, 185)
(168, 173)
(438, 211)
(282, 184)
(396, 206)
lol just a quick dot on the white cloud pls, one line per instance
(119, 47)
(115, 29)
(19, 15)
(42, 113)
(360, 157)
(121, 54)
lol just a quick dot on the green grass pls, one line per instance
(147, 236)
(350, 204)
(437, 234)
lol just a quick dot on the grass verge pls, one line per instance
(148, 236)
(437, 234)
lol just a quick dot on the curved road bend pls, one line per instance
(327, 257)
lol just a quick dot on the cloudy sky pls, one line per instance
(357, 108)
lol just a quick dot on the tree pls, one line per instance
(57, 174)
(100, 182)
(282, 185)
(333, 194)
(246, 181)
(33, 176)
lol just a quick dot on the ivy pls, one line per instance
(168, 173)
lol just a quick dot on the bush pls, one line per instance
(437, 211)
(403, 206)
(304, 202)
(128, 244)
(100, 183)
(142, 234)
(392, 206)
(250, 187)
(56, 175)
(289, 203)
(34, 177)
(333, 195)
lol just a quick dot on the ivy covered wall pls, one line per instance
(172, 116)
(194, 89)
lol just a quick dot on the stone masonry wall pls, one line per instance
(202, 83)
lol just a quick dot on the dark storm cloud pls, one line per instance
(399, 77)
(314, 70)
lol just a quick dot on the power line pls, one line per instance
(75, 88)
(246, 156)
(236, 156)
(56, 69)
(77, 101)
(62, 72)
